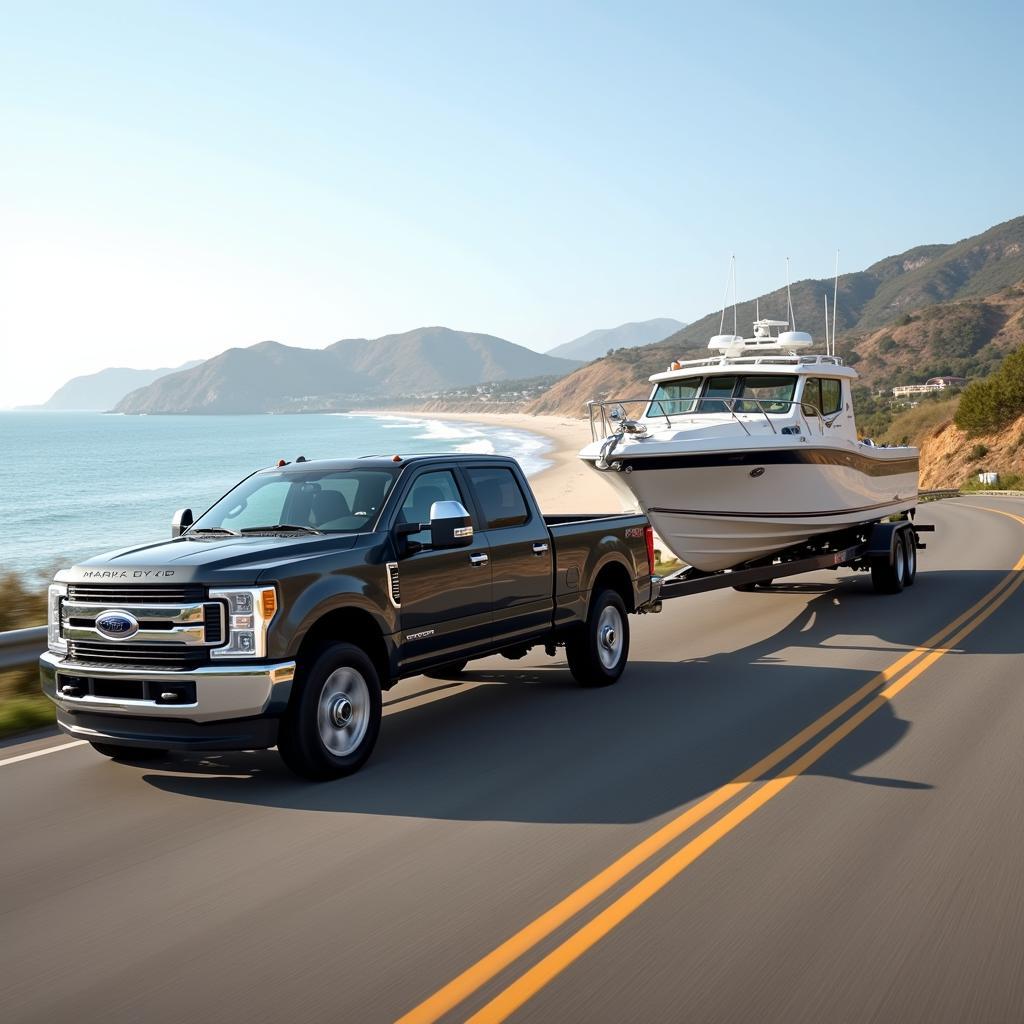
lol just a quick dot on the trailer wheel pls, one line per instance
(889, 572)
(911, 552)
(333, 717)
(452, 670)
(598, 650)
(125, 753)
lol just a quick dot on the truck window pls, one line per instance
(427, 488)
(500, 498)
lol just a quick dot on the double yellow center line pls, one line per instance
(880, 689)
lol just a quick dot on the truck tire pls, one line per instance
(125, 753)
(333, 717)
(452, 670)
(599, 649)
(889, 572)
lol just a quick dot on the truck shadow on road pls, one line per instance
(526, 744)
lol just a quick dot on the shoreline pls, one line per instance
(574, 487)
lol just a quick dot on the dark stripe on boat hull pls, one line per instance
(787, 457)
(783, 515)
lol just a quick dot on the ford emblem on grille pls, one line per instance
(117, 625)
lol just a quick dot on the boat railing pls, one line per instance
(779, 359)
(610, 416)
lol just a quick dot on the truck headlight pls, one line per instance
(54, 641)
(250, 610)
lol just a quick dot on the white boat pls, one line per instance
(749, 451)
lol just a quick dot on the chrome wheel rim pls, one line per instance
(343, 711)
(610, 639)
(900, 562)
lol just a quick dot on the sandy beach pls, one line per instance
(567, 485)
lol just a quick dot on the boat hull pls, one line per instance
(720, 510)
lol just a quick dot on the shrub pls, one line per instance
(992, 402)
(979, 451)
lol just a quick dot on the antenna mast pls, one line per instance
(835, 307)
(826, 325)
(734, 324)
(725, 298)
(789, 299)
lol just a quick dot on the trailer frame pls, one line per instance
(868, 547)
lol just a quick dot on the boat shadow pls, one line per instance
(525, 743)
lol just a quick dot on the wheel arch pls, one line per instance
(349, 625)
(614, 575)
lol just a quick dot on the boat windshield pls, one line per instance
(722, 393)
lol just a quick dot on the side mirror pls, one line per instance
(450, 525)
(181, 521)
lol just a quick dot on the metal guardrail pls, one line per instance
(955, 492)
(21, 647)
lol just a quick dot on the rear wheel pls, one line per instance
(333, 717)
(599, 649)
(124, 753)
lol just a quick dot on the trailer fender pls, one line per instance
(883, 538)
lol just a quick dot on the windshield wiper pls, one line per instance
(213, 529)
(280, 528)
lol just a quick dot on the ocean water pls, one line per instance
(76, 484)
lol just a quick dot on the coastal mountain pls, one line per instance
(97, 392)
(595, 344)
(270, 377)
(873, 304)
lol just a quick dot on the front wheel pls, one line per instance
(333, 717)
(598, 650)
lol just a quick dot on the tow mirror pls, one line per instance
(450, 525)
(181, 522)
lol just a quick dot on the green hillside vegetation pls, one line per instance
(22, 706)
(912, 426)
(995, 401)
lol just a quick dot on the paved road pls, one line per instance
(876, 873)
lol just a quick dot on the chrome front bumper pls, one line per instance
(222, 691)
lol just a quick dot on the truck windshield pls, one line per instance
(335, 501)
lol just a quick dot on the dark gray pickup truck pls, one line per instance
(279, 615)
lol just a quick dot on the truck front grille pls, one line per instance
(177, 626)
(148, 656)
(114, 594)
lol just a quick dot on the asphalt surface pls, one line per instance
(875, 877)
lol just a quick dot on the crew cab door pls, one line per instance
(520, 550)
(445, 595)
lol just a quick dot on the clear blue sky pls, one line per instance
(179, 178)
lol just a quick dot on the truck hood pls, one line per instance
(219, 560)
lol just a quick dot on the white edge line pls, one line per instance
(40, 753)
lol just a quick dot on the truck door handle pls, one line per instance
(539, 549)
(480, 559)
